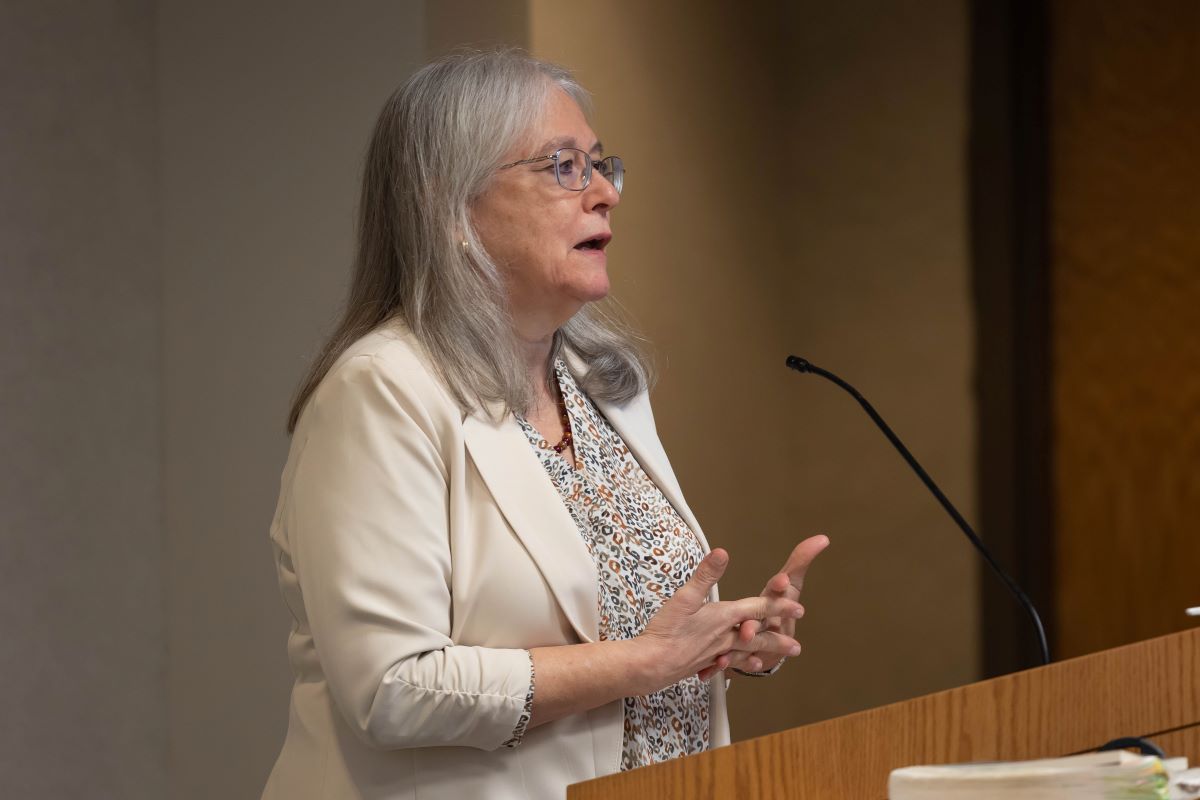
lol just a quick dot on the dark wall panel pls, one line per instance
(1125, 249)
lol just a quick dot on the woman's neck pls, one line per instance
(537, 362)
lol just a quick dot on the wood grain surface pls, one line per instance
(1124, 225)
(1151, 689)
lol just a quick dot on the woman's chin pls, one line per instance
(597, 290)
(589, 284)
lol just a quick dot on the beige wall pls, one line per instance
(882, 295)
(797, 184)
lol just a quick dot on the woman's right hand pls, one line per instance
(689, 635)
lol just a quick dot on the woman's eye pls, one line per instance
(566, 166)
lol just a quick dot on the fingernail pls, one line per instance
(798, 613)
(795, 651)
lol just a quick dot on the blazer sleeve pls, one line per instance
(368, 528)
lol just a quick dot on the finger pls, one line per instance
(801, 559)
(707, 573)
(724, 642)
(787, 625)
(722, 663)
(760, 608)
(748, 629)
(775, 650)
(770, 662)
(777, 625)
(747, 662)
(775, 644)
(737, 659)
(779, 584)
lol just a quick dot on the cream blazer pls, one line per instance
(421, 553)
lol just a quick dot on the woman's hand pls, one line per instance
(786, 584)
(688, 635)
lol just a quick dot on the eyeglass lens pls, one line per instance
(573, 168)
(613, 170)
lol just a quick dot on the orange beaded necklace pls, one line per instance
(566, 426)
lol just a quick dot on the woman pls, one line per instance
(497, 588)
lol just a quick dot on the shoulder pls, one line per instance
(391, 348)
(384, 372)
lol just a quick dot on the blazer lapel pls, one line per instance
(635, 422)
(537, 514)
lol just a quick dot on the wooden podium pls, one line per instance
(1149, 689)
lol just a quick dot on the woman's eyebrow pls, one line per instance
(557, 144)
(569, 141)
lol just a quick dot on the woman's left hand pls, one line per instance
(787, 583)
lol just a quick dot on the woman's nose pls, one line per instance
(600, 192)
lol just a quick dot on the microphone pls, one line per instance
(803, 365)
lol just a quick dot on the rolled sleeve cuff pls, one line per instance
(461, 696)
(518, 732)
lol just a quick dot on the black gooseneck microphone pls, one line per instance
(802, 365)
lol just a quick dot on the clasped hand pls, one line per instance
(689, 636)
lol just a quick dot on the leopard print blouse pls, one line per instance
(643, 552)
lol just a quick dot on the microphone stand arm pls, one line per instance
(803, 365)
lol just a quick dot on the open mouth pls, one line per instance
(595, 243)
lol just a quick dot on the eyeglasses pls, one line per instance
(573, 168)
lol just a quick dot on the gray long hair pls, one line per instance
(434, 150)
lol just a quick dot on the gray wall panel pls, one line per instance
(266, 111)
(83, 711)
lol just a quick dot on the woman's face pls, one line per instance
(533, 228)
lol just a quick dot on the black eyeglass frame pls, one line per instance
(615, 170)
